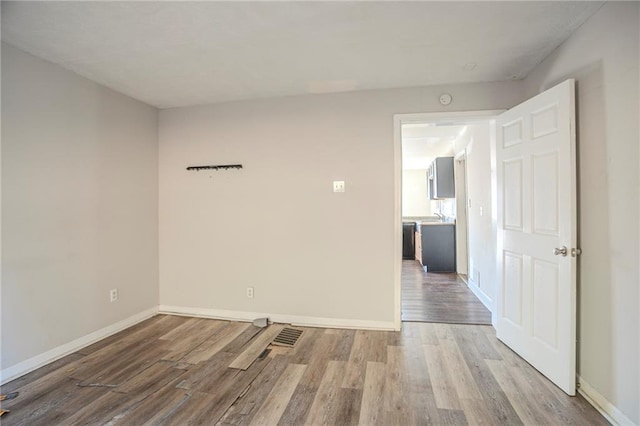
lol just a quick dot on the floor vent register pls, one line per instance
(288, 337)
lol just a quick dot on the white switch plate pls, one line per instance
(250, 292)
(113, 295)
(338, 186)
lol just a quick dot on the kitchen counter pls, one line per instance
(428, 220)
(420, 219)
(438, 223)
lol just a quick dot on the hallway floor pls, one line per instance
(439, 297)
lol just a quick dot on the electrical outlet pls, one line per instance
(338, 186)
(250, 292)
(113, 295)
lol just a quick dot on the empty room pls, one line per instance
(320, 213)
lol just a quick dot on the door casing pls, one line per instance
(398, 120)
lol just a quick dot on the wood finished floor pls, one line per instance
(173, 370)
(439, 297)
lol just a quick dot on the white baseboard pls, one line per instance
(480, 295)
(600, 403)
(24, 367)
(285, 319)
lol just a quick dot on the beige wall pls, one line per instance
(415, 199)
(276, 225)
(603, 58)
(79, 206)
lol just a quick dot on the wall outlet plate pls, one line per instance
(113, 295)
(250, 292)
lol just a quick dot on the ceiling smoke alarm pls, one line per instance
(445, 99)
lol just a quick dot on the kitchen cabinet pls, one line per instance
(408, 240)
(440, 179)
(437, 247)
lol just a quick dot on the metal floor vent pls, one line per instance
(287, 337)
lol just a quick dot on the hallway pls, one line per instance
(439, 297)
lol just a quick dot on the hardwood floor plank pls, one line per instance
(104, 358)
(50, 397)
(151, 328)
(461, 376)
(315, 352)
(199, 331)
(562, 409)
(298, 407)
(347, 411)
(444, 389)
(343, 344)
(428, 334)
(495, 399)
(40, 373)
(97, 411)
(452, 417)
(245, 407)
(443, 332)
(185, 409)
(217, 395)
(150, 380)
(373, 396)
(239, 344)
(126, 365)
(304, 350)
(37, 390)
(482, 343)
(476, 412)
(217, 342)
(422, 395)
(397, 408)
(276, 402)
(355, 373)
(256, 347)
(323, 410)
(176, 333)
(520, 400)
(320, 357)
(153, 409)
(210, 370)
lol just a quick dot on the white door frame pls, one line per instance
(462, 241)
(398, 121)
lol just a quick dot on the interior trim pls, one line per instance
(33, 363)
(600, 403)
(298, 320)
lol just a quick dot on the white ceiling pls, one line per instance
(422, 142)
(170, 54)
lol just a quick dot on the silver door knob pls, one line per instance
(562, 251)
(576, 252)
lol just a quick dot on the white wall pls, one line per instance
(276, 225)
(476, 143)
(603, 57)
(79, 206)
(415, 199)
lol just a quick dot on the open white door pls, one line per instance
(536, 180)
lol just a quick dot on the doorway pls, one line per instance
(425, 290)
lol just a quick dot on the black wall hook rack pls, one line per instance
(218, 167)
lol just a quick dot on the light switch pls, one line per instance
(481, 211)
(338, 186)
